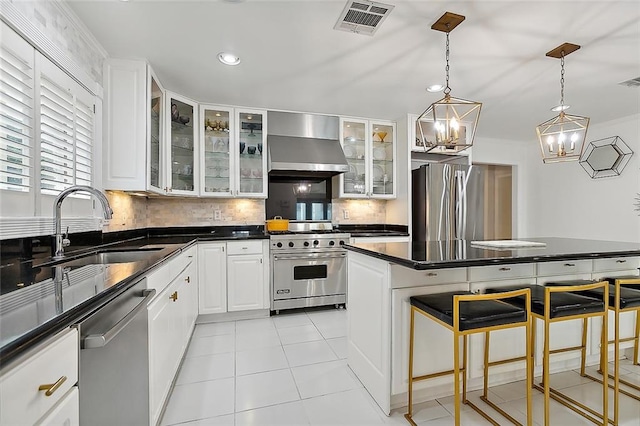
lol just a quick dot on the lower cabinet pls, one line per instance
(172, 315)
(245, 282)
(40, 388)
(232, 276)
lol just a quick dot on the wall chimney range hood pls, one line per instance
(304, 145)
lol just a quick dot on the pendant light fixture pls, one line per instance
(448, 125)
(562, 137)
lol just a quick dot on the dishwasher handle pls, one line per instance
(99, 340)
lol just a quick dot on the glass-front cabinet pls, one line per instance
(181, 137)
(370, 149)
(216, 144)
(156, 119)
(251, 170)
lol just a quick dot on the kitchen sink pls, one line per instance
(113, 256)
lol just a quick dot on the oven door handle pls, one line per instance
(308, 256)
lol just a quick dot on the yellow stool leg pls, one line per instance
(636, 361)
(545, 371)
(529, 367)
(583, 347)
(464, 368)
(410, 391)
(456, 376)
(485, 391)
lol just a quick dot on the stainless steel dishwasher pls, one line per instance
(114, 361)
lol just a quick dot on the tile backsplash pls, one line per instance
(135, 212)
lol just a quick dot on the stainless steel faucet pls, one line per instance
(57, 214)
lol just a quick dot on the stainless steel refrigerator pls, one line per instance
(461, 202)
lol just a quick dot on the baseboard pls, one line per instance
(233, 316)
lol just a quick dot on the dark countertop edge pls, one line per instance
(423, 265)
(369, 234)
(16, 347)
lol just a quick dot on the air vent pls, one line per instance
(363, 17)
(634, 82)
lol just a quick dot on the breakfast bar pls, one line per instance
(383, 276)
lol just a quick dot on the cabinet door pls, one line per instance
(383, 155)
(66, 412)
(216, 140)
(164, 353)
(354, 136)
(181, 136)
(156, 114)
(251, 169)
(190, 277)
(245, 284)
(212, 278)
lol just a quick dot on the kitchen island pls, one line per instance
(382, 277)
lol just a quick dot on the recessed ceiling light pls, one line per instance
(435, 88)
(559, 108)
(228, 58)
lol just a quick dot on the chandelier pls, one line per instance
(562, 137)
(448, 125)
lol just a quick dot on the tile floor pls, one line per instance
(291, 370)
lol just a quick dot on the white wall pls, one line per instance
(562, 200)
(566, 202)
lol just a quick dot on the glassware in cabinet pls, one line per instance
(216, 164)
(354, 183)
(383, 159)
(181, 135)
(251, 170)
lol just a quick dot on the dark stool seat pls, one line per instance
(562, 304)
(633, 285)
(629, 297)
(473, 314)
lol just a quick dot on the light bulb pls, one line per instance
(454, 124)
(574, 137)
(561, 137)
(550, 143)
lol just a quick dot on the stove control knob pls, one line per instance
(279, 245)
(341, 242)
(291, 244)
(316, 242)
(306, 243)
(331, 243)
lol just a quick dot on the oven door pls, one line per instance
(298, 275)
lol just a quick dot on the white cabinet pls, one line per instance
(181, 129)
(212, 278)
(370, 149)
(65, 412)
(233, 276)
(133, 131)
(245, 284)
(250, 174)
(35, 387)
(172, 315)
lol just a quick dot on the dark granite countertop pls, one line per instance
(375, 230)
(26, 282)
(460, 253)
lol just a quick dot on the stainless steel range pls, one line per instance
(308, 268)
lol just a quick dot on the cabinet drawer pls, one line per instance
(565, 267)
(178, 264)
(501, 272)
(244, 247)
(406, 277)
(20, 400)
(616, 264)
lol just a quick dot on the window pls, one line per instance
(16, 116)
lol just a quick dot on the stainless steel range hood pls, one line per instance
(304, 145)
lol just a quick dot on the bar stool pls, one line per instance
(553, 303)
(465, 313)
(624, 296)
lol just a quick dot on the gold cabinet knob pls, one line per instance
(52, 387)
(174, 296)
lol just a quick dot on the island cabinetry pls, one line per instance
(565, 333)
(504, 344)
(611, 268)
(41, 385)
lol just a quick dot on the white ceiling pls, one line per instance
(293, 59)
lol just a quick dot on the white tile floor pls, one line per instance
(291, 370)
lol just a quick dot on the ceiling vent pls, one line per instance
(634, 82)
(363, 17)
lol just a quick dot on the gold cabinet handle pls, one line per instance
(51, 388)
(174, 296)
(621, 261)
(188, 279)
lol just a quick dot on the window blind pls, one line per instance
(16, 121)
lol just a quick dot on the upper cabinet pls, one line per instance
(181, 130)
(251, 167)
(370, 149)
(134, 110)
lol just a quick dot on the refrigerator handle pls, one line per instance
(444, 203)
(461, 179)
